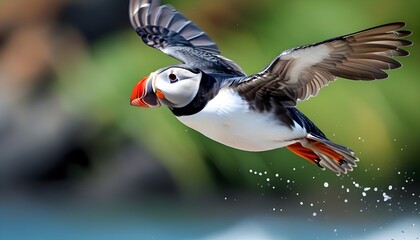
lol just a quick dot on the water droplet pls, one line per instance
(301, 203)
(250, 170)
(268, 179)
(274, 209)
(390, 187)
(346, 201)
(314, 214)
(386, 197)
(277, 175)
(326, 184)
(363, 194)
(366, 189)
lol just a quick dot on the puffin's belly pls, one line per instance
(228, 119)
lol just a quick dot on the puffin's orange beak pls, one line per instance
(143, 94)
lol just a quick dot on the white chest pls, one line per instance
(227, 119)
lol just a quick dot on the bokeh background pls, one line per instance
(78, 162)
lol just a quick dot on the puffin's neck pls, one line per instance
(207, 90)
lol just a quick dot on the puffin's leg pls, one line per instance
(325, 153)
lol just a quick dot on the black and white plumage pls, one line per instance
(164, 28)
(214, 96)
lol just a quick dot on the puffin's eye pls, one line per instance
(173, 78)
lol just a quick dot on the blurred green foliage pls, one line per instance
(378, 120)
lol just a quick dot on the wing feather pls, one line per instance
(162, 27)
(305, 70)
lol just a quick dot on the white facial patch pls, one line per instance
(181, 92)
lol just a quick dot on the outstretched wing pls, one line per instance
(163, 28)
(300, 73)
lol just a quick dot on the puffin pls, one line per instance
(214, 96)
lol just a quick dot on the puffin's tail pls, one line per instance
(325, 153)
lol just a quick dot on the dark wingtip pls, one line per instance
(404, 33)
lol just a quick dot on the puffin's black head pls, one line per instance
(174, 87)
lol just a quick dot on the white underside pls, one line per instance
(228, 119)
